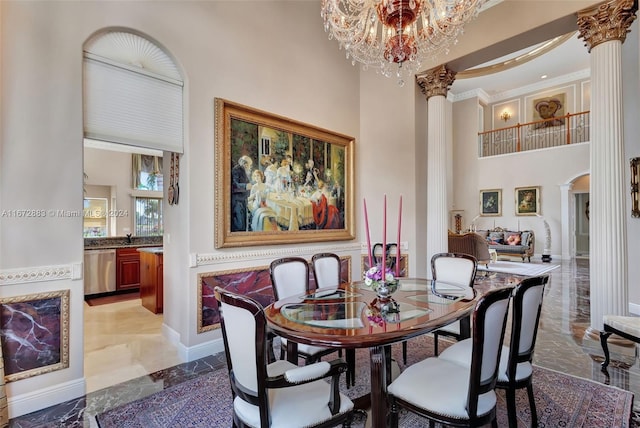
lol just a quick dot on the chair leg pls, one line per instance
(404, 352)
(393, 414)
(532, 405)
(435, 344)
(511, 408)
(605, 347)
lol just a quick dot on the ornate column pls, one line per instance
(435, 84)
(604, 28)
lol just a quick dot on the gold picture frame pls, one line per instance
(491, 202)
(527, 200)
(635, 180)
(42, 321)
(280, 181)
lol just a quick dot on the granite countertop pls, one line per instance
(122, 242)
(153, 250)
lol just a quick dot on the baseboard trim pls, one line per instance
(201, 350)
(192, 353)
(46, 397)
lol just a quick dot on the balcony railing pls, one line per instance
(553, 132)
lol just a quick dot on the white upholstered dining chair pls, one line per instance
(326, 269)
(278, 394)
(458, 270)
(290, 277)
(516, 369)
(451, 394)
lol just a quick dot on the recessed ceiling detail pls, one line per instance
(514, 62)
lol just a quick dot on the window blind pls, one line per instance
(130, 107)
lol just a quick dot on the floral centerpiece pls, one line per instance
(381, 280)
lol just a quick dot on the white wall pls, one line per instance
(631, 109)
(112, 168)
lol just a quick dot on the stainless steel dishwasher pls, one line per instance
(99, 271)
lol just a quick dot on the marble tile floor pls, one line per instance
(562, 345)
(122, 341)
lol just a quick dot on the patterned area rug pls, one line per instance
(561, 400)
(517, 268)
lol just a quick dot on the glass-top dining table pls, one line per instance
(353, 316)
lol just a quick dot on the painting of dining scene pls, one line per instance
(284, 184)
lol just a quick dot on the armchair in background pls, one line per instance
(470, 243)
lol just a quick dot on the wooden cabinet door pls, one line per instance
(127, 268)
(151, 282)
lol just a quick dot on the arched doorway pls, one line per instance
(575, 217)
(133, 118)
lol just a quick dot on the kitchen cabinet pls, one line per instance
(127, 269)
(151, 281)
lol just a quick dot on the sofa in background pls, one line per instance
(470, 243)
(509, 242)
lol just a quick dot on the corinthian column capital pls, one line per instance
(606, 21)
(436, 81)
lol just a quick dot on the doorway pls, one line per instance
(582, 224)
(133, 105)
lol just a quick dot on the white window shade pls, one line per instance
(129, 107)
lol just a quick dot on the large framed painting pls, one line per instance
(35, 334)
(491, 202)
(527, 200)
(279, 181)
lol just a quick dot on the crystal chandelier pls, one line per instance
(396, 35)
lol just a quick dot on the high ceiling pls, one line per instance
(561, 62)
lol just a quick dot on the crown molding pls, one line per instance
(542, 85)
(474, 93)
(523, 90)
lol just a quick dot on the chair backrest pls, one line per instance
(326, 269)
(469, 243)
(289, 277)
(454, 268)
(244, 329)
(527, 305)
(489, 322)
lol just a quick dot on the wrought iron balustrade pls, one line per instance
(542, 134)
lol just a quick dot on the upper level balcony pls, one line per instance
(551, 132)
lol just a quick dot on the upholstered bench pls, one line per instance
(627, 327)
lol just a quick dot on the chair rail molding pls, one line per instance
(207, 259)
(71, 271)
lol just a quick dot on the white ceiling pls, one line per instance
(561, 62)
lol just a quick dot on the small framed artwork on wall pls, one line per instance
(491, 202)
(527, 200)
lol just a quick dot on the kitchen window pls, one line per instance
(148, 216)
(95, 218)
(147, 172)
